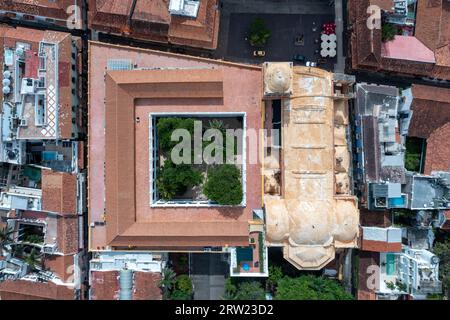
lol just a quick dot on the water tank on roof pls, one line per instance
(6, 90)
(6, 74)
(6, 82)
(126, 284)
(20, 51)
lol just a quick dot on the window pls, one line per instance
(42, 63)
(41, 83)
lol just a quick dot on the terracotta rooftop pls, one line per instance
(52, 9)
(62, 266)
(438, 150)
(367, 260)
(29, 290)
(446, 222)
(105, 285)
(68, 231)
(432, 29)
(381, 219)
(8, 38)
(59, 192)
(152, 21)
(207, 86)
(383, 4)
(146, 286)
(432, 104)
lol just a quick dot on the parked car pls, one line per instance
(299, 58)
(259, 53)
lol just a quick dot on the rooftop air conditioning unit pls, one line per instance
(23, 122)
(49, 248)
(28, 86)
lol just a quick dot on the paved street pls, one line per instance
(208, 272)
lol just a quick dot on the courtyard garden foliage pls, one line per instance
(217, 182)
(224, 185)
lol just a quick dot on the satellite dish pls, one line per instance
(435, 260)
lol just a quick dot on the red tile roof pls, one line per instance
(68, 234)
(446, 224)
(146, 286)
(367, 261)
(432, 104)
(119, 184)
(152, 21)
(381, 219)
(62, 266)
(432, 28)
(383, 4)
(59, 192)
(28, 290)
(438, 150)
(44, 8)
(431, 121)
(380, 246)
(104, 285)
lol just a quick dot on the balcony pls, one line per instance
(250, 261)
(430, 287)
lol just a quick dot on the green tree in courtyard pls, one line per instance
(275, 275)
(251, 290)
(223, 185)
(165, 128)
(173, 180)
(259, 34)
(183, 289)
(167, 282)
(310, 287)
(442, 250)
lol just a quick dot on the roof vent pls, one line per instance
(119, 64)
